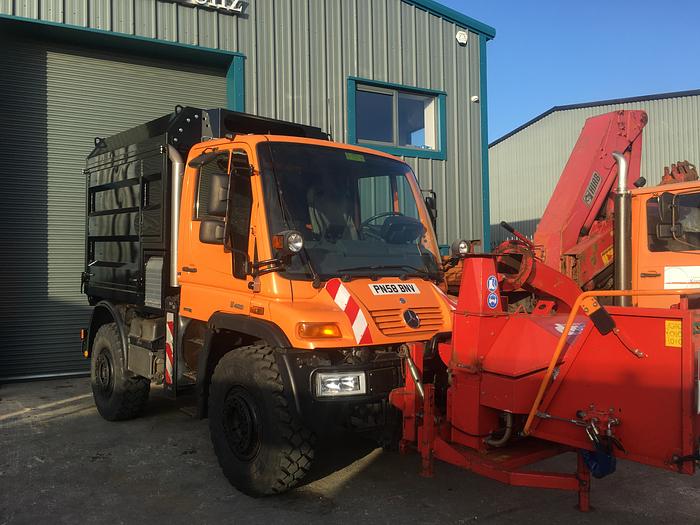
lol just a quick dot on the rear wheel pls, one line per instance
(262, 446)
(118, 394)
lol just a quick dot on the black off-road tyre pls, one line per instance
(117, 392)
(262, 446)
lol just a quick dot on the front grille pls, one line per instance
(390, 321)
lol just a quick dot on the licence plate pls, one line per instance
(394, 288)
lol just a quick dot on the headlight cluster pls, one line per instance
(330, 384)
(288, 242)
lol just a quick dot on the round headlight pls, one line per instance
(295, 242)
(459, 247)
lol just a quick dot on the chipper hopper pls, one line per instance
(505, 390)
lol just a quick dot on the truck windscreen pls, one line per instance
(356, 212)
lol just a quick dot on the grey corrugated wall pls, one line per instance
(54, 99)
(525, 167)
(299, 56)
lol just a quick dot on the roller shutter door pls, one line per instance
(54, 100)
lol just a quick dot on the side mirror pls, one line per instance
(218, 195)
(666, 205)
(211, 232)
(668, 231)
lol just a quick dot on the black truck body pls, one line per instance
(128, 199)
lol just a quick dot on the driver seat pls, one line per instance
(329, 213)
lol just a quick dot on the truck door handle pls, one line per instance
(650, 274)
(189, 269)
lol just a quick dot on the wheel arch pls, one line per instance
(105, 313)
(224, 333)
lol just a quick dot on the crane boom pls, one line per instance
(575, 234)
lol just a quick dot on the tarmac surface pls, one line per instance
(60, 462)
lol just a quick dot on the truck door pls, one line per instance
(668, 259)
(213, 261)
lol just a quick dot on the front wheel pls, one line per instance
(261, 445)
(118, 394)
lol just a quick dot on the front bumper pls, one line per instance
(300, 367)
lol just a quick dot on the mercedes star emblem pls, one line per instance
(411, 318)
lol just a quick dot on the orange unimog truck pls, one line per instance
(278, 274)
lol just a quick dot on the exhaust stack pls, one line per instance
(622, 237)
(177, 172)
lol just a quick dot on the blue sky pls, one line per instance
(553, 52)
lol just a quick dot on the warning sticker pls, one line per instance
(674, 337)
(607, 255)
(492, 283)
(576, 328)
(492, 301)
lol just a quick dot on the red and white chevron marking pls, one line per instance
(169, 320)
(350, 306)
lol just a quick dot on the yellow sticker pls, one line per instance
(607, 255)
(673, 333)
(357, 157)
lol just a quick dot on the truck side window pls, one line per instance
(212, 188)
(240, 209)
(686, 223)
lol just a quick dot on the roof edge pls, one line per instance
(455, 16)
(608, 102)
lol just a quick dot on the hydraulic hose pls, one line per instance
(506, 435)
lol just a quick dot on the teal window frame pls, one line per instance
(232, 62)
(440, 153)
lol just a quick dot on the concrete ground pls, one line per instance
(60, 462)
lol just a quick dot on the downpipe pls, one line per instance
(178, 169)
(622, 236)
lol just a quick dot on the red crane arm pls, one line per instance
(578, 217)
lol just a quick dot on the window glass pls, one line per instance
(240, 209)
(356, 212)
(404, 197)
(396, 117)
(210, 180)
(685, 220)
(374, 116)
(375, 196)
(416, 120)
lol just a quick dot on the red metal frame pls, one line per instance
(504, 465)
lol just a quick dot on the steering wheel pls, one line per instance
(366, 222)
(373, 229)
(516, 256)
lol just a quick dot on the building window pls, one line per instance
(397, 119)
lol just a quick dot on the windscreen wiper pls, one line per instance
(285, 216)
(415, 272)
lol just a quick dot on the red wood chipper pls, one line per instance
(535, 367)
(511, 387)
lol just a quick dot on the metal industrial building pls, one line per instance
(404, 76)
(526, 163)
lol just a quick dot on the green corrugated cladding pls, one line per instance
(287, 59)
(54, 101)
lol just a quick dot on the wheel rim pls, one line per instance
(104, 373)
(241, 423)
